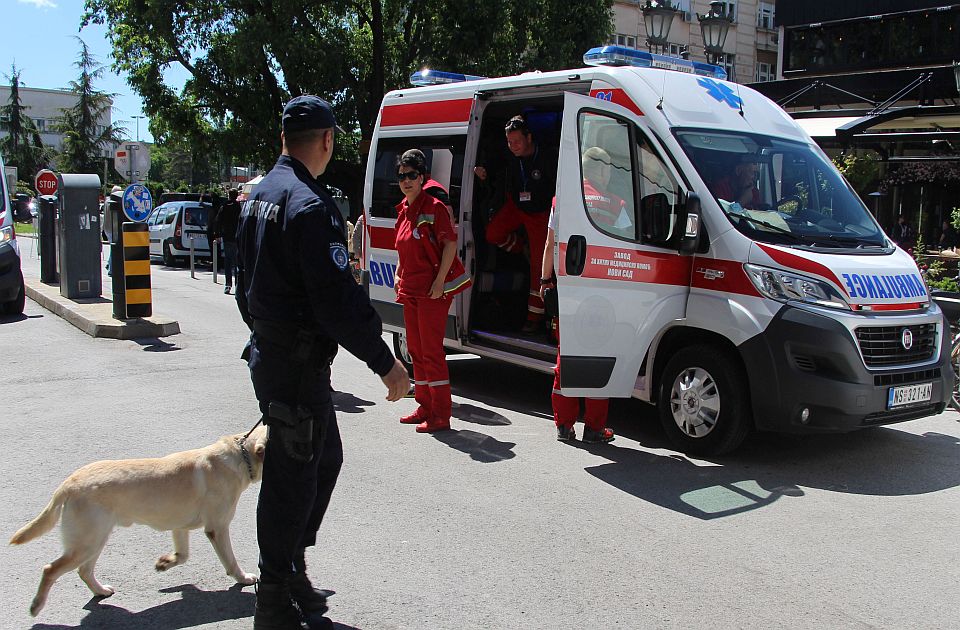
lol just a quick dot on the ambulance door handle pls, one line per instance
(576, 255)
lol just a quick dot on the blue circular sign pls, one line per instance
(137, 202)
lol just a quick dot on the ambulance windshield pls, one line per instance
(778, 191)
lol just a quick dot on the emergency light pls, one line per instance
(425, 77)
(623, 56)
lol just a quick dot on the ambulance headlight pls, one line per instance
(784, 286)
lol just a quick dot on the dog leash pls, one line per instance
(243, 449)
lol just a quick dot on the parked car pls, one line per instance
(172, 225)
(24, 207)
(12, 293)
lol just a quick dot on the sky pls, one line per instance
(41, 40)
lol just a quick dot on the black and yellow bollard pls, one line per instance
(136, 270)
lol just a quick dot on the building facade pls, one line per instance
(751, 49)
(45, 107)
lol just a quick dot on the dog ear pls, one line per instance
(260, 450)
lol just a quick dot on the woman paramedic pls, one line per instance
(609, 211)
(428, 275)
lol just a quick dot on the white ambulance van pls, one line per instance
(779, 305)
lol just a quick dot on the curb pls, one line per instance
(94, 316)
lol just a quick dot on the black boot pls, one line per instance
(275, 609)
(312, 602)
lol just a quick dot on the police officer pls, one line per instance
(297, 294)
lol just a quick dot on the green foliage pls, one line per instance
(955, 218)
(934, 269)
(22, 147)
(863, 172)
(246, 59)
(25, 187)
(85, 140)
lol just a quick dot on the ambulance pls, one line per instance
(780, 307)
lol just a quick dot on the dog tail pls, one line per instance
(44, 521)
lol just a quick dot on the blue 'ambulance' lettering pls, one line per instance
(884, 287)
(381, 273)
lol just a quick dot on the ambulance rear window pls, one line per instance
(444, 159)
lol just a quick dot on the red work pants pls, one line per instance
(501, 232)
(566, 409)
(425, 320)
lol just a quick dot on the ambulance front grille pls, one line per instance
(882, 346)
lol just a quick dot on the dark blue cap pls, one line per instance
(308, 112)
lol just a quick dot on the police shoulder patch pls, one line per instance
(338, 253)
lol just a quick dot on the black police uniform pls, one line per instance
(296, 292)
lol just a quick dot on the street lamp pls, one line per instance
(657, 20)
(715, 25)
(138, 125)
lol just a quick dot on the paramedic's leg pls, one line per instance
(502, 230)
(432, 322)
(565, 409)
(595, 413)
(536, 227)
(411, 317)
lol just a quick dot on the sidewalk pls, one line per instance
(93, 316)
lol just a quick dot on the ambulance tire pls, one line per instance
(401, 352)
(716, 393)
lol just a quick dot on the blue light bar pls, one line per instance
(425, 77)
(623, 56)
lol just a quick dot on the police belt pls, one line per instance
(303, 344)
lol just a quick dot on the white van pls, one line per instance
(173, 226)
(12, 290)
(793, 312)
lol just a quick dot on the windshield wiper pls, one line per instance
(859, 241)
(776, 228)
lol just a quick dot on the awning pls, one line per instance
(824, 127)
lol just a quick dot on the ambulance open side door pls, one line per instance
(620, 278)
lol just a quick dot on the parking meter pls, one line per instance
(47, 238)
(79, 232)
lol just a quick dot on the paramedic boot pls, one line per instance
(275, 609)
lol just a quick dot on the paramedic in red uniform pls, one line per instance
(531, 183)
(428, 275)
(606, 210)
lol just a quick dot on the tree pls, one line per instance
(245, 58)
(23, 146)
(85, 139)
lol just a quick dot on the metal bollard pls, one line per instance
(192, 269)
(213, 250)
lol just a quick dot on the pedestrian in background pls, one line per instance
(428, 275)
(297, 294)
(227, 221)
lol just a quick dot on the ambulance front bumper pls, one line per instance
(807, 373)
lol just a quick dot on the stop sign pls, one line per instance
(46, 182)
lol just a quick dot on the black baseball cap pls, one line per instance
(308, 112)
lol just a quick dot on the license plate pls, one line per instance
(909, 395)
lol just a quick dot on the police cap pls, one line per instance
(308, 112)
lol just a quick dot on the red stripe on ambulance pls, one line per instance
(800, 263)
(382, 237)
(618, 97)
(433, 112)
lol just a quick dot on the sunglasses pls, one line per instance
(411, 175)
(515, 124)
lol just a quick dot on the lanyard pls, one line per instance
(523, 171)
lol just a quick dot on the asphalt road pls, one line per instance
(492, 525)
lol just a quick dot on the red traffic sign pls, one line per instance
(46, 182)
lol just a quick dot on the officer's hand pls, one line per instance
(480, 172)
(397, 381)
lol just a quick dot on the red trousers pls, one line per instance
(425, 320)
(566, 409)
(502, 232)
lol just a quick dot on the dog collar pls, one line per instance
(246, 457)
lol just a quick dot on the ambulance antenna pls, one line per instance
(663, 88)
(740, 99)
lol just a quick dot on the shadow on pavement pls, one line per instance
(481, 448)
(195, 608)
(348, 403)
(478, 415)
(19, 317)
(155, 344)
(501, 385)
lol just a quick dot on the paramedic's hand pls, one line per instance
(545, 287)
(397, 381)
(480, 172)
(436, 289)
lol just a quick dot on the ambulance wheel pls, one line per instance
(401, 351)
(704, 404)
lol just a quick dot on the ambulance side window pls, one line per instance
(659, 196)
(444, 158)
(606, 167)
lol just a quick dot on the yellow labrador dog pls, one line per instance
(179, 492)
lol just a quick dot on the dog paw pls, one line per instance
(105, 590)
(246, 579)
(166, 561)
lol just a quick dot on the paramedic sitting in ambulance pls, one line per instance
(606, 210)
(531, 182)
(741, 185)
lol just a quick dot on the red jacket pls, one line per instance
(422, 229)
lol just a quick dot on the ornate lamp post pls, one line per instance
(715, 25)
(657, 20)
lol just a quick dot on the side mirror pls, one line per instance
(689, 219)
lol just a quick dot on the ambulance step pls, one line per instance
(533, 346)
